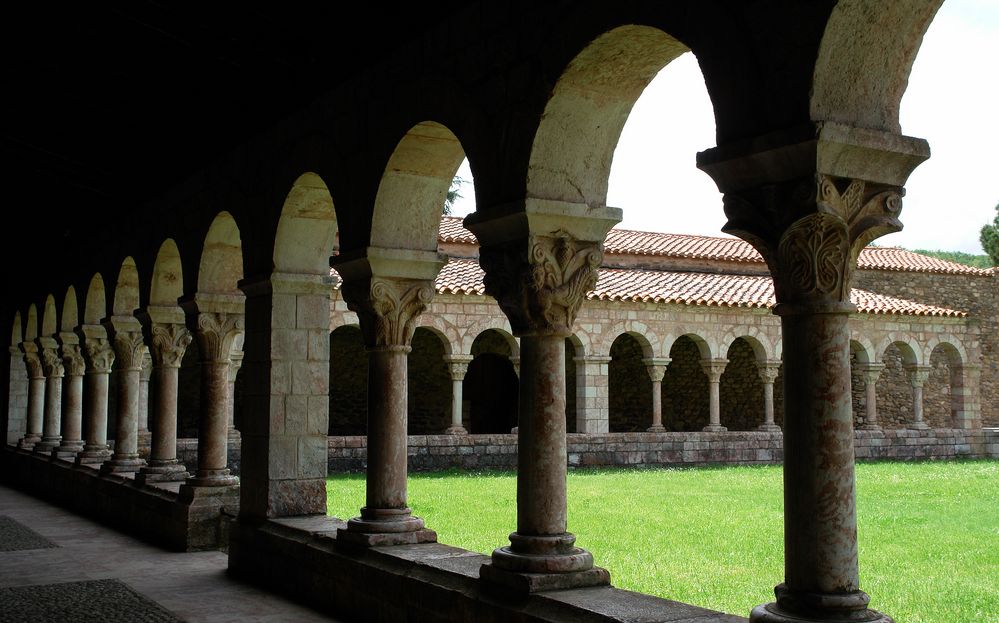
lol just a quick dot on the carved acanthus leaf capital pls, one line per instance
(714, 368)
(387, 309)
(216, 333)
(72, 358)
(540, 283)
(810, 232)
(129, 348)
(769, 371)
(170, 342)
(34, 362)
(99, 354)
(918, 374)
(52, 363)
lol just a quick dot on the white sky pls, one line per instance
(952, 101)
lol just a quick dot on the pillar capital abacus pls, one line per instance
(656, 367)
(871, 371)
(458, 366)
(387, 308)
(169, 343)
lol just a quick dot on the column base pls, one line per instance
(377, 527)
(162, 471)
(91, 456)
(67, 450)
(715, 429)
(804, 607)
(47, 445)
(769, 428)
(28, 442)
(213, 478)
(537, 582)
(455, 430)
(555, 553)
(918, 426)
(869, 427)
(656, 428)
(121, 466)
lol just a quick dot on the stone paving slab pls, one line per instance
(85, 601)
(16, 537)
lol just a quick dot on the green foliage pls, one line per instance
(990, 238)
(453, 193)
(714, 536)
(968, 259)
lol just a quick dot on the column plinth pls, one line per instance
(387, 309)
(540, 281)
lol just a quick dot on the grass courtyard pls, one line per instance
(929, 532)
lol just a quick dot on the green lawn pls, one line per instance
(929, 532)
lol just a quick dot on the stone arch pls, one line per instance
(853, 52)
(910, 352)
(861, 349)
(581, 344)
(894, 389)
(49, 317)
(70, 311)
(491, 385)
(221, 266)
(410, 198)
(126, 290)
(501, 328)
(574, 145)
(446, 332)
(629, 385)
(307, 229)
(348, 381)
(645, 336)
(429, 382)
(741, 389)
(705, 345)
(757, 341)
(944, 398)
(95, 307)
(31, 326)
(954, 348)
(167, 285)
(685, 386)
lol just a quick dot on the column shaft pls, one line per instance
(36, 412)
(95, 449)
(657, 405)
(53, 415)
(164, 443)
(72, 428)
(387, 441)
(213, 429)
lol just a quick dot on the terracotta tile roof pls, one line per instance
(462, 276)
(630, 242)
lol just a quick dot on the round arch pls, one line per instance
(741, 388)
(429, 382)
(348, 376)
(685, 386)
(757, 341)
(629, 384)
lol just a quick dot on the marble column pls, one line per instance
(387, 309)
(145, 373)
(768, 372)
(714, 368)
(129, 350)
(169, 343)
(235, 363)
(917, 377)
(216, 332)
(540, 282)
(99, 357)
(871, 372)
(54, 372)
(36, 397)
(457, 367)
(656, 367)
(809, 200)
(72, 408)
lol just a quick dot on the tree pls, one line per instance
(453, 193)
(990, 238)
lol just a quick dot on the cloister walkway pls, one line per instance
(79, 570)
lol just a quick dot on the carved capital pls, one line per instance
(810, 231)
(870, 371)
(235, 363)
(458, 370)
(768, 371)
(388, 308)
(129, 349)
(147, 366)
(656, 367)
(918, 374)
(52, 363)
(98, 354)
(714, 368)
(216, 333)
(541, 282)
(170, 342)
(72, 358)
(33, 361)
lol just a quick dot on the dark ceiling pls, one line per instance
(107, 105)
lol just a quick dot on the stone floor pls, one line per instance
(56, 566)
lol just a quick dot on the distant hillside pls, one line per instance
(976, 261)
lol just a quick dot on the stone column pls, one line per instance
(592, 394)
(917, 377)
(144, 436)
(169, 343)
(871, 372)
(99, 357)
(458, 367)
(714, 368)
(36, 397)
(54, 372)
(72, 408)
(387, 308)
(129, 350)
(656, 367)
(809, 200)
(768, 374)
(216, 332)
(540, 280)
(235, 363)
